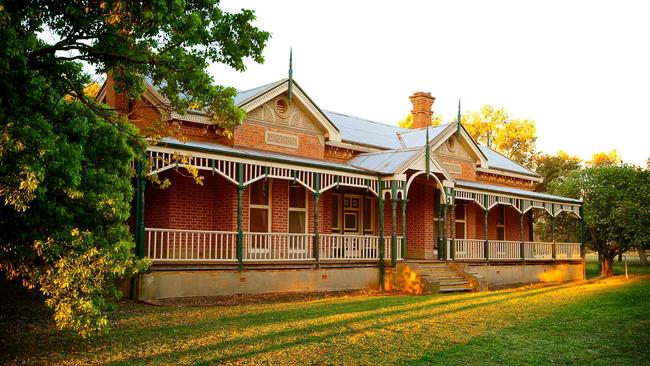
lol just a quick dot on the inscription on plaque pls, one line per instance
(281, 139)
(453, 168)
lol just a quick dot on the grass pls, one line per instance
(600, 322)
(633, 266)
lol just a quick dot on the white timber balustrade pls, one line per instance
(181, 245)
(278, 247)
(504, 249)
(221, 246)
(346, 247)
(472, 249)
(399, 247)
(567, 251)
(539, 250)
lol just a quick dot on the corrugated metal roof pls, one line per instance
(500, 162)
(417, 137)
(366, 132)
(514, 191)
(385, 162)
(258, 154)
(246, 95)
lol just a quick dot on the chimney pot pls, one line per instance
(422, 111)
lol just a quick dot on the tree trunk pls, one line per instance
(642, 257)
(620, 257)
(600, 257)
(607, 266)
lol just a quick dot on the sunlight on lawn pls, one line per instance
(349, 330)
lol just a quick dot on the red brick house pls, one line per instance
(302, 199)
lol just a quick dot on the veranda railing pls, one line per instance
(474, 249)
(221, 246)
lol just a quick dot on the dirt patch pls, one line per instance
(230, 300)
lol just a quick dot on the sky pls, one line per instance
(579, 69)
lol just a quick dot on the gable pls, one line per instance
(453, 149)
(307, 116)
(280, 113)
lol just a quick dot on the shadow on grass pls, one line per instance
(338, 328)
(605, 328)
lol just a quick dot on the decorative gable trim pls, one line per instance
(465, 136)
(332, 132)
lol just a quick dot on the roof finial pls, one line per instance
(427, 155)
(290, 72)
(459, 119)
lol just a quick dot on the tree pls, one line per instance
(514, 138)
(65, 181)
(552, 167)
(407, 122)
(611, 158)
(616, 208)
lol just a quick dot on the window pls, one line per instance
(336, 215)
(259, 208)
(297, 209)
(368, 215)
(460, 214)
(501, 222)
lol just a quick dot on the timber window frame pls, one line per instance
(368, 202)
(303, 210)
(461, 220)
(501, 222)
(257, 206)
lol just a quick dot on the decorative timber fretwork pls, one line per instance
(452, 148)
(394, 188)
(279, 112)
(161, 159)
(505, 180)
(480, 198)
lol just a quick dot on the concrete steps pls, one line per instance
(438, 275)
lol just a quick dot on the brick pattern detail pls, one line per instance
(468, 170)
(251, 134)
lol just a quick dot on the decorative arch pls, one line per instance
(413, 176)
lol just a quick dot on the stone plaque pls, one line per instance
(281, 139)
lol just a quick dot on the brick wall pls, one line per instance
(187, 205)
(512, 224)
(468, 169)
(251, 134)
(420, 219)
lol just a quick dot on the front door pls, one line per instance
(352, 214)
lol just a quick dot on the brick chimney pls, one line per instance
(421, 112)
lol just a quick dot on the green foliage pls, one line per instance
(552, 167)
(616, 206)
(65, 181)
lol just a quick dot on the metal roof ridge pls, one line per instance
(391, 151)
(535, 174)
(362, 118)
(410, 130)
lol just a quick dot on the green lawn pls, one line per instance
(633, 266)
(603, 322)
